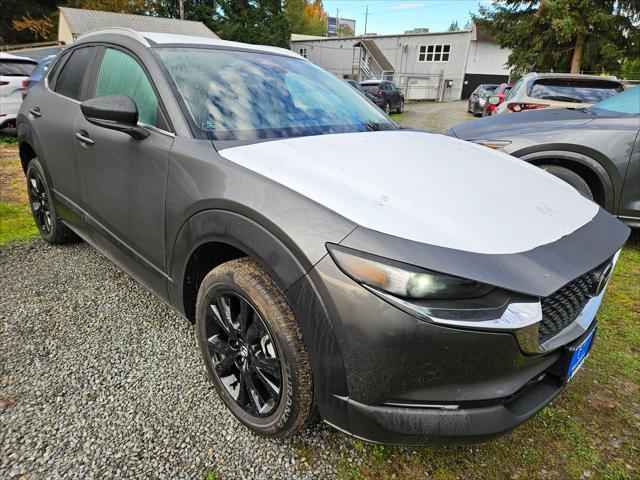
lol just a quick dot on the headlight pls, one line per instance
(403, 280)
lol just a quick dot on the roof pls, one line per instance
(571, 75)
(297, 37)
(372, 36)
(82, 21)
(9, 56)
(172, 39)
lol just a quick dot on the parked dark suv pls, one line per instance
(385, 95)
(331, 261)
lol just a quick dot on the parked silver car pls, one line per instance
(557, 90)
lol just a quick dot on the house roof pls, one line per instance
(82, 21)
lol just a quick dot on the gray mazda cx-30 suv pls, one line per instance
(409, 287)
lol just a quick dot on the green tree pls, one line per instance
(304, 17)
(345, 31)
(20, 10)
(561, 35)
(253, 21)
(454, 26)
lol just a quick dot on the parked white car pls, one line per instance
(14, 70)
(557, 90)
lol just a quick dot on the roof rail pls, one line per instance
(119, 30)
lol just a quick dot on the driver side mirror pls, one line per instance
(115, 112)
(494, 100)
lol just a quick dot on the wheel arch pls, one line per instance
(598, 178)
(211, 237)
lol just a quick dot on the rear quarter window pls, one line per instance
(573, 91)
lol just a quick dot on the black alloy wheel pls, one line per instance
(51, 228)
(39, 201)
(253, 349)
(244, 355)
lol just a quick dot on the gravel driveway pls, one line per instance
(101, 379)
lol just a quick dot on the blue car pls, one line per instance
(37, 74)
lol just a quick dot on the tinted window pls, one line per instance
(372, 87)
(573, 91)
(16, 68)
(485, 90)
(235, 95)
(121, 74)
(69, 81)
(627, 103)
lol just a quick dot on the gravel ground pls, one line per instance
(434, 117)
(98, 378)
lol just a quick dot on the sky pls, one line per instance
(396, 16)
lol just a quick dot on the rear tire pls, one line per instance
(51, 228)
(571, 177)
(252, 347)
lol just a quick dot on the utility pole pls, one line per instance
(181, 4)
(366, 17)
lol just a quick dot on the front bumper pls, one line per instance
(414, 382)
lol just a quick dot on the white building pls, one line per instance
(433, 66)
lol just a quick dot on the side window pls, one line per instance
(514, 90)
(121, 74)
(71, 78)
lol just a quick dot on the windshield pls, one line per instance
(238, 95)
(574, 91)
(16, 68)
(627, 102)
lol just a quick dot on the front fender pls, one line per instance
(608, 177)
(288, 272)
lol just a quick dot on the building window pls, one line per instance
(434, 53)
(303, 52)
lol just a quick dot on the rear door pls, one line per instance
(53, 109)
(125, 179)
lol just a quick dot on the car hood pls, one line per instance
(424, 187)
(501, 126)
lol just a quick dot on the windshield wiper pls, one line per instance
(562, 98)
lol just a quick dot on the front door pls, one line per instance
(125, 179)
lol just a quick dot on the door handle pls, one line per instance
(84, 139)
(35, 112)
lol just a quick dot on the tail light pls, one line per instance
(492, 107)
(25, 83)
(519, 107)
(378, 93)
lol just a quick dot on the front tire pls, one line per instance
(252, 347)
(571, 177)
(400, 108)
(387, 107)
(51, 228)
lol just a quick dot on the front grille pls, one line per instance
(562, 307)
